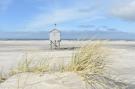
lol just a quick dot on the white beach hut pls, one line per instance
(55, 38)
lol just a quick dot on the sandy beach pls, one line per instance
(121, 59)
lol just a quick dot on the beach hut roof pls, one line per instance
(55, 30)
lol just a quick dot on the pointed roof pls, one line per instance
(55, 30)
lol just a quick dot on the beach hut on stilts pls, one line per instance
(55, 38)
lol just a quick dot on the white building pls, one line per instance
(55, 38)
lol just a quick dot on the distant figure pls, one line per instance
(55, 38)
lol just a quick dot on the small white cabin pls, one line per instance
(55, 35)
(55, 38)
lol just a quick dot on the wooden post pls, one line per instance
(59, 43)
(55, 44)
(50, 45)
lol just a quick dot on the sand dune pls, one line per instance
(121, 60)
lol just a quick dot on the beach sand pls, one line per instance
(121, 59)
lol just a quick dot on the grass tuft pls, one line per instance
(89, 59)
(30, 65)
(2, 76)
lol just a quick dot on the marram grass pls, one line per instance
(89, 59)
(28, 64)
(2, 77)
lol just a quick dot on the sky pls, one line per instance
(69, 15)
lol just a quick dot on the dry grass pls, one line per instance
(2, 76)
(90, 63)
(28, 64)
(89, 59)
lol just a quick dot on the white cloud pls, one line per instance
(125, 11)
(58, 16)
(4, 4)
(52, 17)
(78, 11)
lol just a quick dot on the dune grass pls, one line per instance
(2, 76)
(89, 59)
(28, 64)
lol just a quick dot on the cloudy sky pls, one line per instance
(41, 15)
